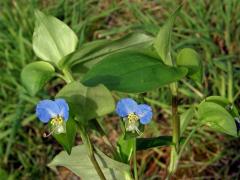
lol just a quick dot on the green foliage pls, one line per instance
(190, 59)
(35, 75)
(214, 113)
(162, 43)
(185, 118)
(146, 143)
(132, 71)
(96, 50)
(67, 139)
(87, 102)
(79, 163)
(125, 148)
(52, 39)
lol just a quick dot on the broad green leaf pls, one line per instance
(162, 42)
(79, 163)
(217, 117)
(190, 59)
(87, 103)
(52, 38)
(225, 103)
(185, 118)
(145, 143)
(67, 139)
(96, 50)
(132, 71)
(35, 75)
(125, 148)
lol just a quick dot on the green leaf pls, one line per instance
(96, 50)
(35, 75)
(190, 59)
(162, 42)
(145, 143)
(125, 148)
(67, 139)
(87, 103)
(185, 118)
(132, 71)
(217, 118)
(225, 103)
(52, 39)
(79, 163)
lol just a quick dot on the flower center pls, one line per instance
(57, 121)
(132, 118)
(58, 125)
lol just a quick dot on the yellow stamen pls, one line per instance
(57, 121)
(132, 118)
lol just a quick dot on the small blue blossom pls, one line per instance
(57, 112)
(129, 110)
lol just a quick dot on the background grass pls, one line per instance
(211, 27)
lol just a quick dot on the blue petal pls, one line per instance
(64, 109)
(145, 113)
(46, 110)
(126, 106)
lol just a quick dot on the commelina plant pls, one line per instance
(133, 64)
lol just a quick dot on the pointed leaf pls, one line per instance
(52, 38)
(162, 42)
(35, 75)
(79, 163)
(132, 71)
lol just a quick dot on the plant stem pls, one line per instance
(175, 122)
(87, 142)
(135, 161)
(68, 76)
(176, 131)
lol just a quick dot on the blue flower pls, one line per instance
(129, 110)
(57, 112)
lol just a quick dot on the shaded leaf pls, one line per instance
(190, 59)
(35, 75)
(52, 38)
(79, 163)
(132, 71)
(87, 103)
(146, 143)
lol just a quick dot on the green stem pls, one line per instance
(175, 122)
(135, 161)
(176, 131)
(68, 76)
(87, 142)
